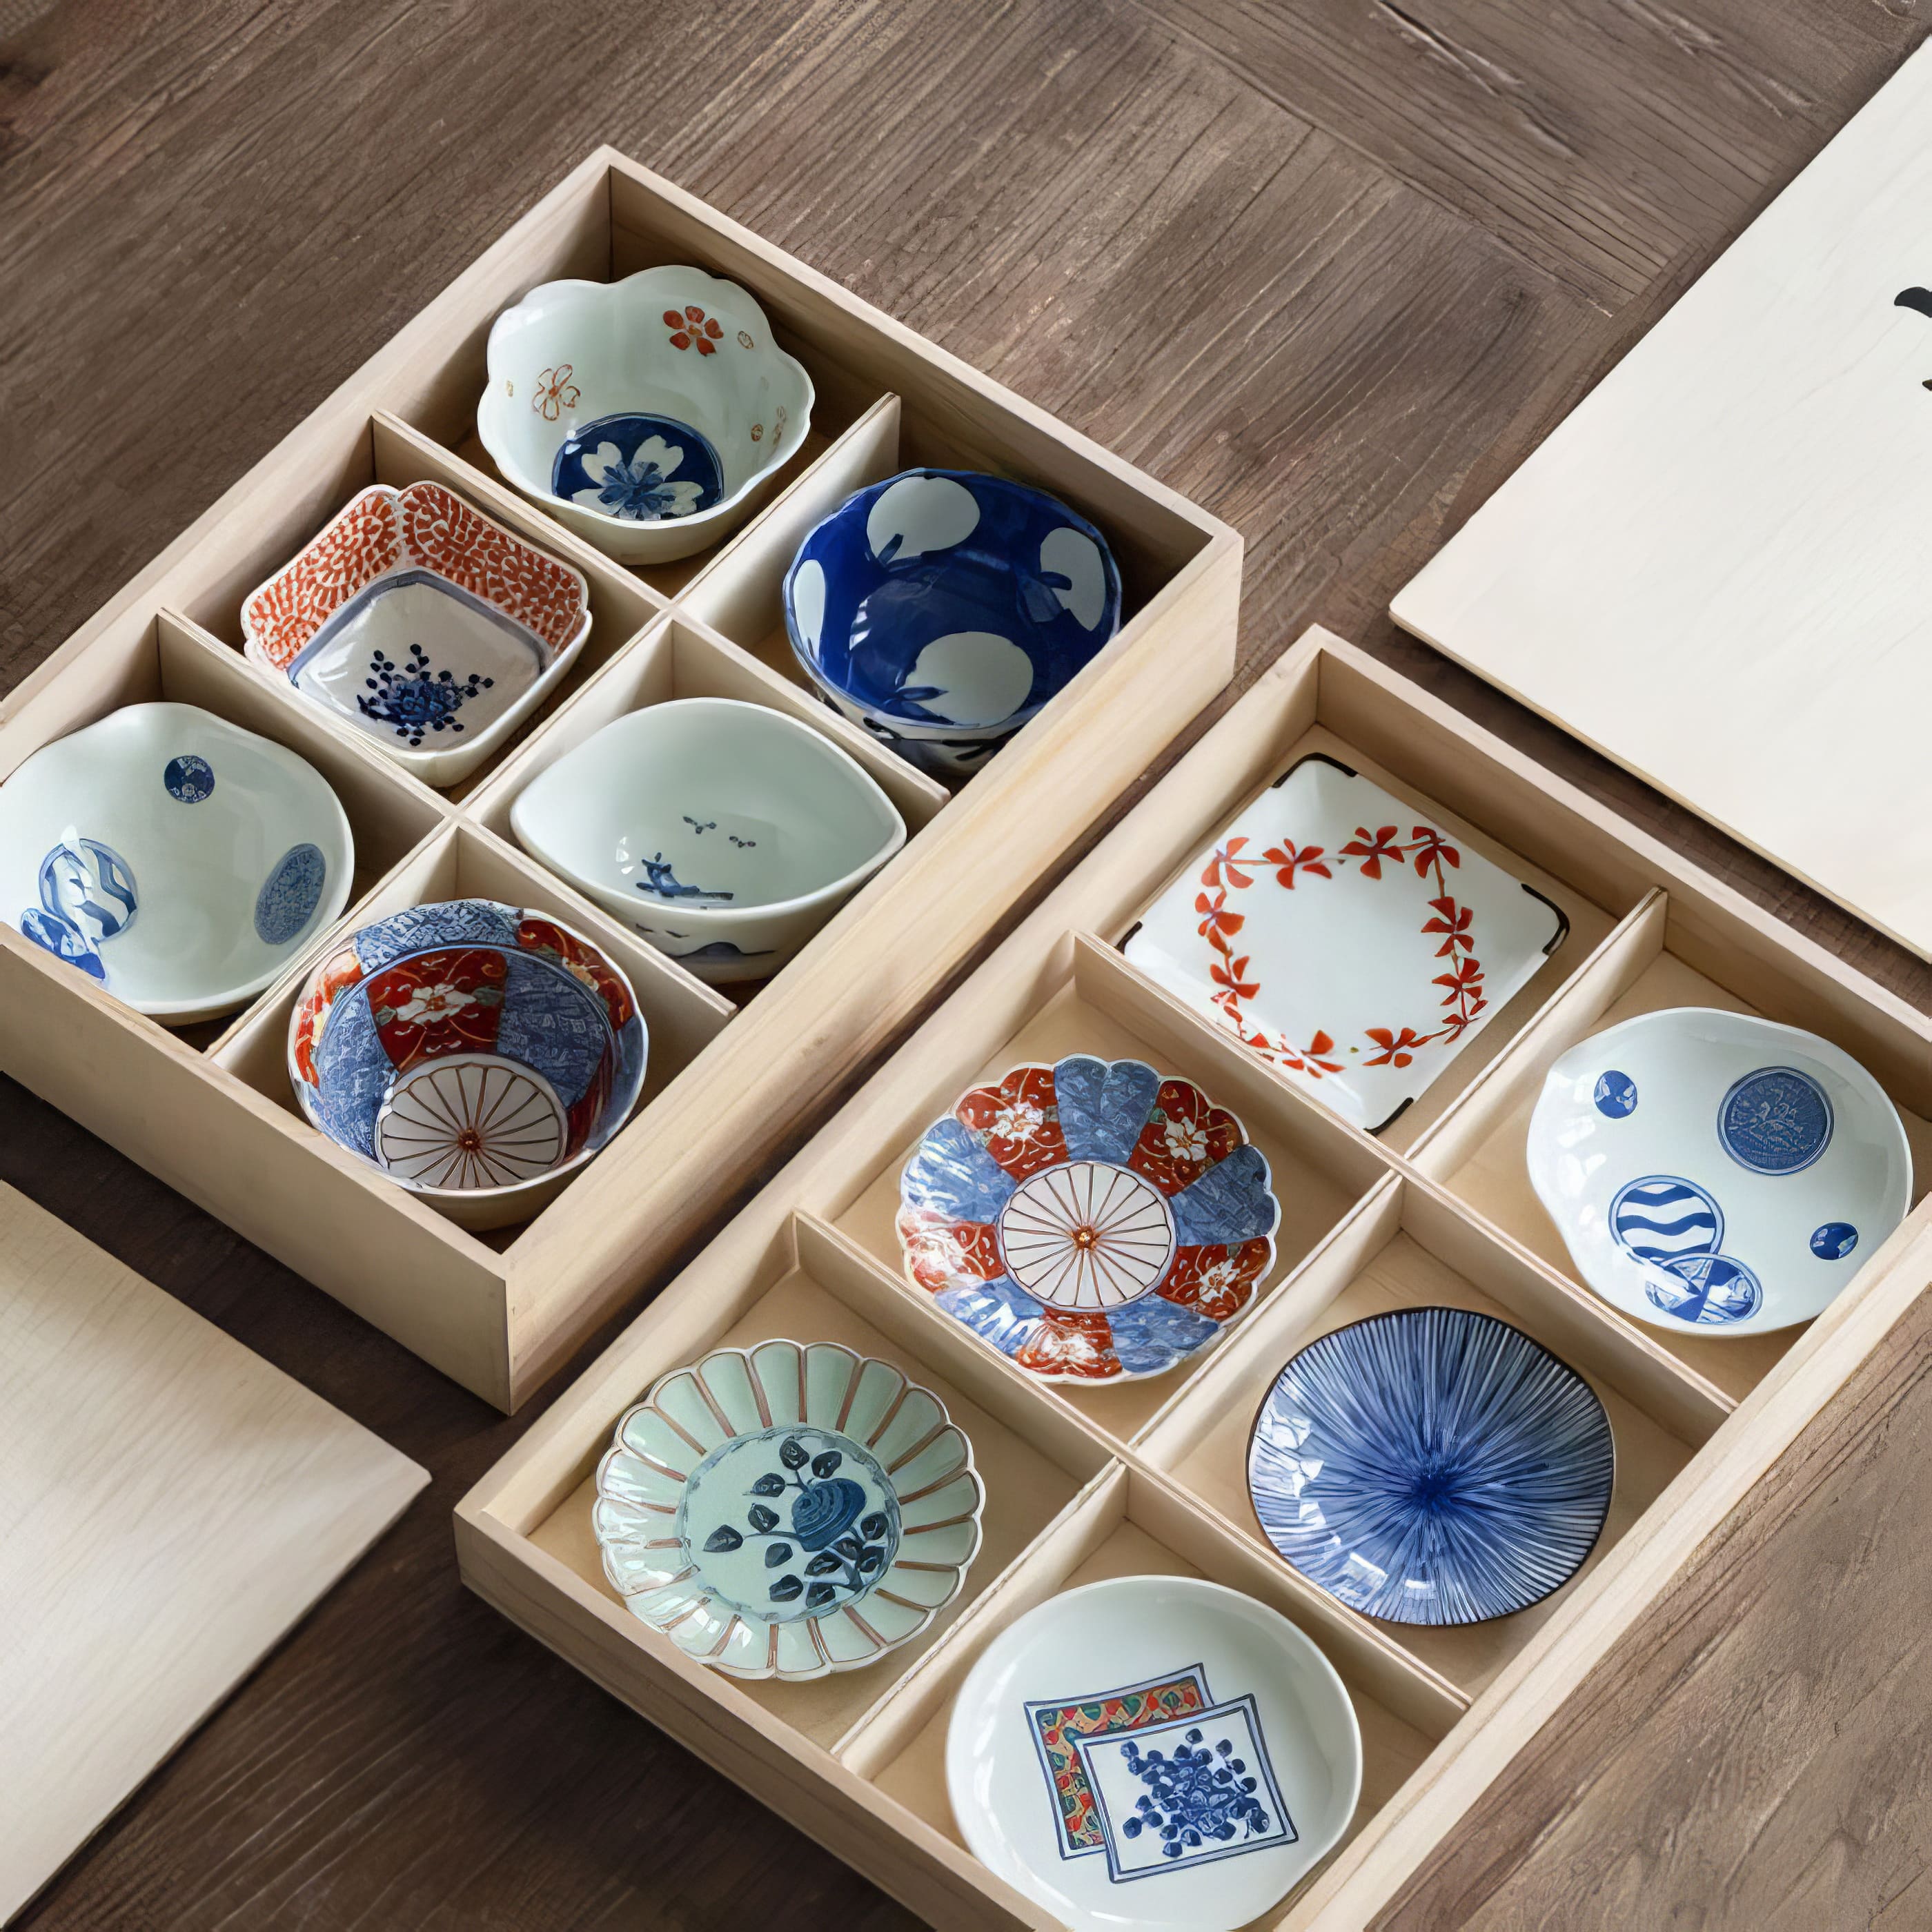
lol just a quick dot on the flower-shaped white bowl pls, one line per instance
(787, 1511)
(177, 859)
(420, 624)
(727, 834)
(1715, 1171)
(650, 415)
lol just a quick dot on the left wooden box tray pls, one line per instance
(210, 1111)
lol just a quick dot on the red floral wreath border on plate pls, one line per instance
(1228, 869)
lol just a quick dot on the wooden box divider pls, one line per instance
(1152, 1475)
(732, 1072)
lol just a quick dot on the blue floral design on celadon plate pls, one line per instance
(789, 1510)
(1094, 1221)
(641, 468)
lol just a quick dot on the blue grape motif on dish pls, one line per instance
(290, 895)
(1433, 1466)
(414, 700)
(641, 468)
(845, 1547)
(1776, 1120)
(189, 778)
(1616, 1095)
(1706, 1289)
(1834, 1241)
(1201, 1793)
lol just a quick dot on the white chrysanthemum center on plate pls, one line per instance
(1087, 1236)
(471, 1121)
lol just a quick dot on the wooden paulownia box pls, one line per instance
(1085, 1482)
(210, 1110)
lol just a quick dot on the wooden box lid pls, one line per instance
(1718, 569)
(169, 1504)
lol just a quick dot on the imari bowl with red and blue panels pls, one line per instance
(1094, 1221)
(474, 1053)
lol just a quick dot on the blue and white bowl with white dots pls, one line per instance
(941, 609)
(1716, 1174)
(174, 859)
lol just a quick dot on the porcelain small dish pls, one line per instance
(177, 860)
(422, 625)
(942, 608)
(475, 1053)
(726, 833)
(651, 416)
(787, 1511)
(1153, 1754)
(1355, 948)
(1432, 1466)
(1715, 1171)
(1094, 1221)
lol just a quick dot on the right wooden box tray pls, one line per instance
(1083, 1482)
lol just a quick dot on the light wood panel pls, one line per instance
(169, 1505)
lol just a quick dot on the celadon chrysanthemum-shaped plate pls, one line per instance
(788, 1510)
(1094, 1221)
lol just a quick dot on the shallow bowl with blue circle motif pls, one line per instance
(1716, 1173)
(940, 609)
(175, 859)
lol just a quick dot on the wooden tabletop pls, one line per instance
(1331, 267)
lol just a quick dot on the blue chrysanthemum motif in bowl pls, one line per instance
(1093, 1220)
(787, 1511)
(1433, 1465)
(943, 608)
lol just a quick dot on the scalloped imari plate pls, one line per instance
(1351, 946)
(788, 1510)
(1095, 1221)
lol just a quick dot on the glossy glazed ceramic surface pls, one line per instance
(788, 1510)
(942, 608)
(469, 1051)
(725, 833)
(1153, 1754)
(176, 860)
(426, 628)
(1353, 947)
(1432, 1466)
(1094, 1220)
(1715, 1170)
(649, 414)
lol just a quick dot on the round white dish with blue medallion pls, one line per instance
(725, 833)
(172, 857)
(787, 1511)
(942, 608)
(1716, 1173)
(651, 416)
(1153, 1754)
(1094, 1221)
(475, 1054)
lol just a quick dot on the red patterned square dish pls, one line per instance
(414, 620)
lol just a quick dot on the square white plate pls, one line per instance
(1352, 945)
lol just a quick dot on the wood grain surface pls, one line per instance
(1333, 267)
